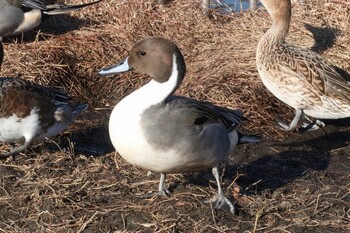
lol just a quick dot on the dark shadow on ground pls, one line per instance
(324, 37)
(96, 141)
(282, 162)
(345, 122)
(92, 141)
(270, 165)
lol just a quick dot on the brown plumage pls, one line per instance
(30, 112)
(299, 77)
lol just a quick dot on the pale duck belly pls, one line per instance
(291, 91)
(128, 140)
(330, 109)
(15, 129)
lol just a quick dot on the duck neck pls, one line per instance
(280, 26)
(155, 92)
(278, 32)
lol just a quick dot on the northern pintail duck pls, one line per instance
(31, 112)
(299, 77)
(162, 133)
(17, 16)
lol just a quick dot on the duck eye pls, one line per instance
(142, 53)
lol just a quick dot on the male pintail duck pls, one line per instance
(17, 16)
(299, 77)
(162, 133)
(30, 112)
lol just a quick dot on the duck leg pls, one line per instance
(310, 125)
(220, 201)
(292, 126)
(162, 190)
(15, 151)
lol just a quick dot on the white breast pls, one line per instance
(126, 135)
(125, 129)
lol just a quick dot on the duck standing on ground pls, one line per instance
(18, 16)
(162, 133)
(31, 112)
(299, 77)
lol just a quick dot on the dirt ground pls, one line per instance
(75, 182)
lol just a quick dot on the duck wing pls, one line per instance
(313, 68)
(18, 96)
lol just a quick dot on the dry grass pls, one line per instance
(220, 53)
(68, 190)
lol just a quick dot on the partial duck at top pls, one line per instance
(154, 130)
(18, 16)
(298, 76)
(30, 112)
